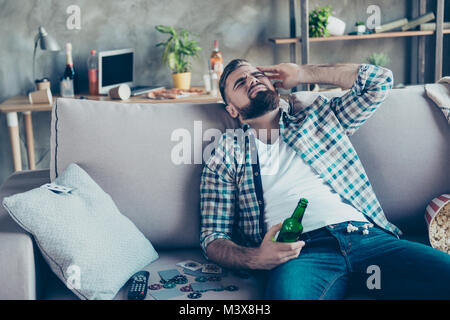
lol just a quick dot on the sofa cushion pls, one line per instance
(86, 241)
(132, 152)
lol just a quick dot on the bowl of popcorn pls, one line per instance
(438, 220)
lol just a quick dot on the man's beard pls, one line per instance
(262, 103)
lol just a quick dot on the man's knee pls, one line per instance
(301, 286)
(286, 283)
(283, 292)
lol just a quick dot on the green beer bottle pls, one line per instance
(292, 227)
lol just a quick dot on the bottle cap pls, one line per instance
(93, 52)
(216, 44)
(303, 202)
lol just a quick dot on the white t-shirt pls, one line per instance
(286, 178)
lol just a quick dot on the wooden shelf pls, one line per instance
(418, 38)
(359, 36)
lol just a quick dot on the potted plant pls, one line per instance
(318, 22)
(360, 27)
(378, 59)
(178, 51)
(323, 24)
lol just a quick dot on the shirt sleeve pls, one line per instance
(370, 89)
(217, 202)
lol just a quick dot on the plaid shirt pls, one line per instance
(231, 196)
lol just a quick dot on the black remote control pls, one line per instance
(138, 286)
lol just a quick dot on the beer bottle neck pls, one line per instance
(299, 211)
(298, 214)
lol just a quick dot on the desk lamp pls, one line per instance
(47, 44)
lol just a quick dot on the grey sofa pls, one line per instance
(134, 152)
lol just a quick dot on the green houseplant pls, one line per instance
(378, 59)
(318, 22)
(177, 54)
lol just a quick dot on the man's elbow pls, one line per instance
(381, 90)
(388, 79)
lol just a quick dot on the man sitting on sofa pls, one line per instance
(253, 186)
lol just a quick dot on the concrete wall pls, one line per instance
(241, 26)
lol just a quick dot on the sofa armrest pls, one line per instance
(20, 261)
(17, 262)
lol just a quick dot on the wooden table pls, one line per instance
(21, 104)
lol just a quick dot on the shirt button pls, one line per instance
(256, 174)
(259, 202)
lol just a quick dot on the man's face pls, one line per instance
(250, 93)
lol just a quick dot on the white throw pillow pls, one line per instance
(87, 242)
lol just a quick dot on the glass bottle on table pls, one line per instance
(69, 71)
(68, 79)
(214, 83)
(93, 73)
(216, 60)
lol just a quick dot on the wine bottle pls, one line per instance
(216, 60)
(67, 88)
(69, 71)
(292, 227)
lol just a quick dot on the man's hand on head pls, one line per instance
(290, 75)
(287, 75)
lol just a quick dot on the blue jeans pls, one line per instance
(334, 261)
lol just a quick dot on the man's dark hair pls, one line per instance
(233, 65)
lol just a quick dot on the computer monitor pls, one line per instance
(115, 67)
